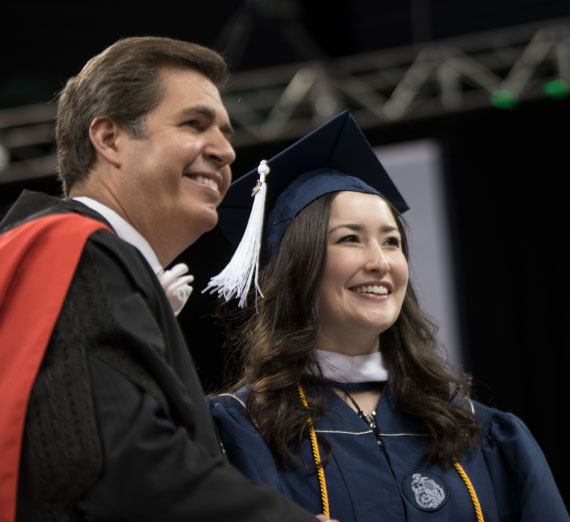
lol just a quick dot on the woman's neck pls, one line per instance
(355, 345)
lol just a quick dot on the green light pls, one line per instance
(557, 89)
(504, 99)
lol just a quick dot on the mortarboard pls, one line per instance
(334, 157)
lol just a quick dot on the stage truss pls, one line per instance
(502, 68)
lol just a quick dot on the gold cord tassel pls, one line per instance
(316, 457)
(461, 472)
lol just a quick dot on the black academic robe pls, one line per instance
(117, 427)
(394, 482)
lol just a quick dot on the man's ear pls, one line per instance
(105, 135)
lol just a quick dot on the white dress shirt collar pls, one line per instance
(125, 231)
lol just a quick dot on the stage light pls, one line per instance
(504, 99)
(557, 89)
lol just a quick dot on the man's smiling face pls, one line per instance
(176, 175)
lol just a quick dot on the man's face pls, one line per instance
(174, 178)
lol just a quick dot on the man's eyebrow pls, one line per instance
(207, 112)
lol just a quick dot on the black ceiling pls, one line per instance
(45, 43)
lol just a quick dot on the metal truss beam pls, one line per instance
(505, 67)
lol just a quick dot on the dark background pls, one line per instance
(506, 171)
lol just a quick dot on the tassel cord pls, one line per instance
(236, 278)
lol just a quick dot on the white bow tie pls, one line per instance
(176, 286)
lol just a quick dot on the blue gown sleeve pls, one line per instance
(524, 486)
(246, 449)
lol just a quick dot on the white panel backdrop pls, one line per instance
(416, 170)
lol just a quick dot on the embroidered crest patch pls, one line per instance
(425, 490)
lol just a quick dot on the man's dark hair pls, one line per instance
(123, 84)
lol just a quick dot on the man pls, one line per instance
(116, 427)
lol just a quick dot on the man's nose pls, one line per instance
(220, 150)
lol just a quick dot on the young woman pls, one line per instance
(345, 404)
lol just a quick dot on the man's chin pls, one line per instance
(207, 225)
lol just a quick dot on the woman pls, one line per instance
(345, 404)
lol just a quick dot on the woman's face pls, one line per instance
(364, 281)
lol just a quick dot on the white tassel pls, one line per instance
(235, 279)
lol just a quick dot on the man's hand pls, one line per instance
(323, 518)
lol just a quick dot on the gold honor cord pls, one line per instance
(321, 474)
(316, 457)
(471, 490)
(461, 472)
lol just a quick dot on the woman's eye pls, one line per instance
(393, 241)
(351, 238)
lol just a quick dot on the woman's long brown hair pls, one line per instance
(276, 344)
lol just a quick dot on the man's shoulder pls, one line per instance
(66, 233)
(31, 206)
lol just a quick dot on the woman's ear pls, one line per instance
(104, 134)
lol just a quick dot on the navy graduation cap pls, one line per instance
(334, 157)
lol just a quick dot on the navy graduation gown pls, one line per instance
(393, 481)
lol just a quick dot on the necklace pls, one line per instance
(369, 419)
